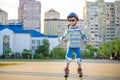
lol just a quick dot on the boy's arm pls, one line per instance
(84, 38)
(64, 37)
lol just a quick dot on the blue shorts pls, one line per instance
(77, 52)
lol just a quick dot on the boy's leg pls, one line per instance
(68, 58)
(78, 56)
(78, 59)
(69, 55)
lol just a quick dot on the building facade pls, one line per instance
(52, 14)
(54, 26)
(16, 38)
(100, 21)
(51, 22)
(117, 18)
(29, 13)
(3, 17)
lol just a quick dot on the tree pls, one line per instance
(89, 51)
(26, 53)
(58, 53)
(110, 48)
(105, 49)
(7, 52)
(115, 48)
(42, 51)
(116, 45)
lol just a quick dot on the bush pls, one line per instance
(87, 55)
(58, 53)
(39, 56)
(16, 55)
(3, 56)
(26, 55)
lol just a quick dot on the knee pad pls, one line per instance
(78, 60)
(68, 60)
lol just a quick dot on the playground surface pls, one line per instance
(52, 70)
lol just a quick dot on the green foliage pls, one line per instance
(39, 56)
(116, 45)
(58, 53)
(105, 50)
(7, 53)
(26, 53)
(85, 54)
(110, 47)
(42, 50)
(89, 51)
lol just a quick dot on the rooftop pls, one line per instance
(1, 10)
(20, 29)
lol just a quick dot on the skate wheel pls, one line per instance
(66, 75)
(80, 76)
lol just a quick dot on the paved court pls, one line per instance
(92, 69)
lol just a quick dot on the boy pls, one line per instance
(73, 36)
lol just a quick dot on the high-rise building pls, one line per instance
(51, 22)
(52, 14)
(3, 17)
(29, 13)
(100, 19)
(117, 18)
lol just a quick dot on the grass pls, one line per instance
(31, 60)
(8, 62)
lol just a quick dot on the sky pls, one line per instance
(62, 6)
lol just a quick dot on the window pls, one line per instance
(33, 47)
(38, 42)
(33, 41)
(96, 35)
(91, 18)
(117, 24)
(96, 25)
(6, 39)
(96, 28)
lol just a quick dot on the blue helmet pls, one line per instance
(72, 15)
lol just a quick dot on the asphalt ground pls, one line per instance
(52, 70)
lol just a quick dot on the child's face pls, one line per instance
(72, 21)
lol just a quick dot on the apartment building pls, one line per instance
(117, 18)
(29, 13)
(100, 21)
(3, 16)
